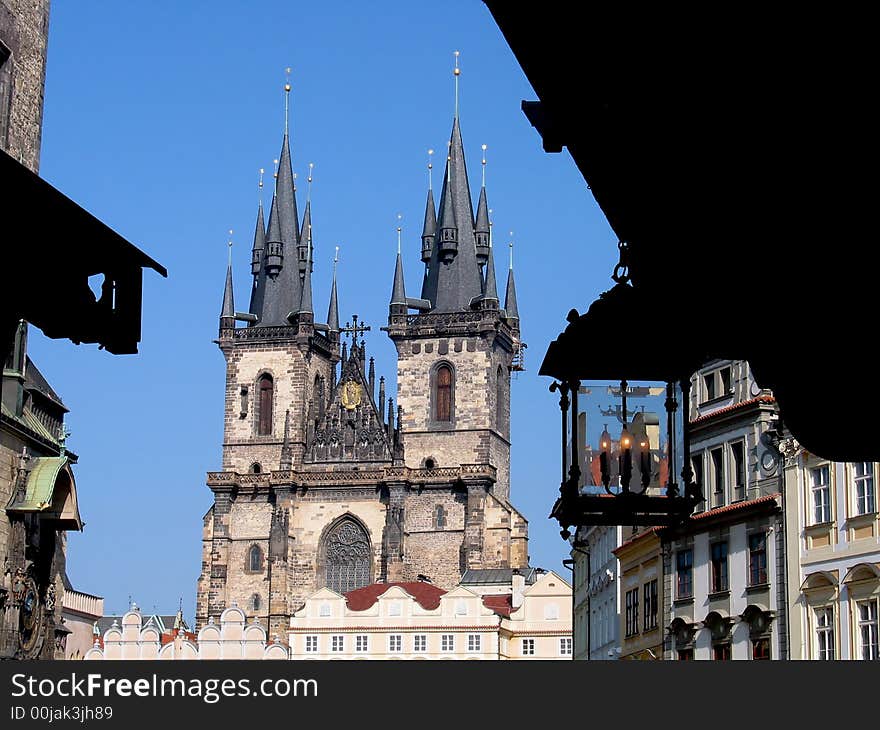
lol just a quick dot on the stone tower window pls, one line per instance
(256, 602)
(266, 389)
(444, 393)
(255, 559)
(440, 517)
(256, 468)
(345, 556)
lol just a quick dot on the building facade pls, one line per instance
(641, 586)
(596, 592)
(324, 481)
(725, 568)
(836, 588)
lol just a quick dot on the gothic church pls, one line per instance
(324, 483)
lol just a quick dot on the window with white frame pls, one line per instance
(337, 643)
(311, 644)
(551, 612)
(447, 642)
(820, 489)
(420, 643)
(395, 642)
(867, 628)
(324, 611)
(824, 633)
(565, 646)
(361, 643)
(528, 647)
(474, 642)
(717, 457)
(737, 452)
(460, 608)
(394, 608)
(864, 488)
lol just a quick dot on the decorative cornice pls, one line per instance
(342, 477)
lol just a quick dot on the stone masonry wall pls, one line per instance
(24, 31)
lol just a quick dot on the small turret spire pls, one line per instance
(305, 306)
(228, 310)
(510, 306)
(398, 290)
(429, 229)
(333, 312)
(482, 225)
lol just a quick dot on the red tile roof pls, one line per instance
(502, 605)
(169, 636)
(734, 407)
(737, 506)
(427, 594)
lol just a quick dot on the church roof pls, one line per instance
(427, 594)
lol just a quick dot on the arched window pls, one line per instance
(266, 388)
(256, 468)
(345, 556)
(500, 400)
(440, 517)
(255, 559)
(443, 397)
(256, 602)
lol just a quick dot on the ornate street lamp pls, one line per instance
(572, 361)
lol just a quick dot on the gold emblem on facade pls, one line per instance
(351, 395)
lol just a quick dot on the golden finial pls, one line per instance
(275, 169)
(430, 168)
(456, 73)
(335, 261)
(484, 165)
(511, 250)
(230, 247)
(309, 193)
(260, 185)
(399, 229)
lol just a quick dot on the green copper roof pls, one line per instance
(41, 483)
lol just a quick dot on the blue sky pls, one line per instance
(157, 119)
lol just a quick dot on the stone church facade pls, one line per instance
(324, 482)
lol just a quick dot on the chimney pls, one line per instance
(518, 585)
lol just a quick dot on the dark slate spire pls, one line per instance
(481, 228)
(452, 284)
(398, 291)
(490, 293)
(305, 306)
(510, 297)
(258, 265)
(333, 312)
(429, 230)
(290, 289)
(305, 240)
(227, 312)
(305, 233)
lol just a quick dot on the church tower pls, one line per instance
(325, 482)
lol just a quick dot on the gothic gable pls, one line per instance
(350, 428)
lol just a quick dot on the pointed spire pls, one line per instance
(510, 297)
(381, 396)
(258, 258)
(398, 291)
(481, 227)
(227, 312)
(490, 294)
(429, 229)
(305, 306)
(305, 236)
(453, 278)
(333, 312)
(372, 379)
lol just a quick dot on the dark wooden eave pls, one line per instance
(735, 151)
(50, 248)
